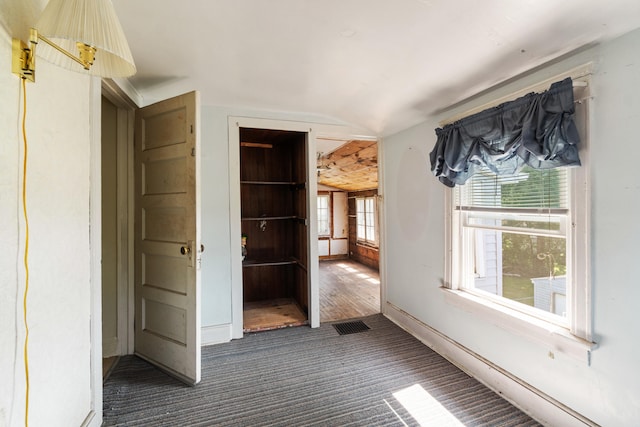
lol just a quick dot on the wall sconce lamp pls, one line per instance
(89, 27)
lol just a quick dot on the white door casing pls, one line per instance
(167, 236)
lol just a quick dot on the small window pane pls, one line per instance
(524, 268)
(324, 228)
(366, 220)
(530, 188)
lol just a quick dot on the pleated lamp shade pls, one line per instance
(93, 22)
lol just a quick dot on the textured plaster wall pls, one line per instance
(58, 207)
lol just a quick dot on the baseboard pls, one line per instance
(333, 257)
(216, 334)
(110, 347)
(530, 400)
(91, 420)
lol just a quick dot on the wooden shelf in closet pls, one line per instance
(291, 183)
(267, 262)
(269, 218)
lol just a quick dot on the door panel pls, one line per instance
(167, 285)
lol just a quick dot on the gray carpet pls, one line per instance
(309, 377)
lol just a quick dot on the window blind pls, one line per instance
(529, 189)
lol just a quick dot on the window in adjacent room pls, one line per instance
(366, 220)
(324, 224)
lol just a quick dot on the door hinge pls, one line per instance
(193, 152)
(191, 128)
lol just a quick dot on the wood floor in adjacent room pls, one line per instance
(347, 290)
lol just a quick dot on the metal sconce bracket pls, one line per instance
(24, 57)
(23, 61)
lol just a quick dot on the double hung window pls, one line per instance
(366, 230)
(512, 239)
(324, 224)
(518, 242)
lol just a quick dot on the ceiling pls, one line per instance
(352, 167)
(349, 165)
(378, 65)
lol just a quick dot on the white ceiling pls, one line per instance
(382, 65)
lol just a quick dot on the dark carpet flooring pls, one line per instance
(309, 377)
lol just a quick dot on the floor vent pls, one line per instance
(350, 327)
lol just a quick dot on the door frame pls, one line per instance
(124, 101)
(313, 131)
(235, 123)
(125, 211)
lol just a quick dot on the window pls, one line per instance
(324, 224)
(513, 238)
(366, 220)
(518, 248)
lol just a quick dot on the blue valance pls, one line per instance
(537, 129)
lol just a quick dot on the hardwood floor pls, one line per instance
(347, 290)
(272, 314)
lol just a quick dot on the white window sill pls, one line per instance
(556, 338)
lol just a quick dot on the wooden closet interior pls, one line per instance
(274, 217)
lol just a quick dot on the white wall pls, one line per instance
(59, 300)
(607, 391)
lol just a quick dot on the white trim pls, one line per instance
(382, 248)
(125, 175)
(555, 338)
(313, 266)
(314, 131)
(235, 229)
(216, 334)
(234, 125)
(125, 91)
(197, 130)
(110, 346)
(530, 400)
(94, 418)
(90, 420)
(581, 302)
(128, 313)
(124, 196)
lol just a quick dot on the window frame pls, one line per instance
(574, 337)
(462, 219)
(366, 213)
(328, 197)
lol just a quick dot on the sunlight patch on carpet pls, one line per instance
(424, 408)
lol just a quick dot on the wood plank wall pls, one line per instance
(363, 254)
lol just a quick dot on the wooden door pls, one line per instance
(167, 242)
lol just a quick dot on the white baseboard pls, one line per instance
(91, 420)
(530, 400)
(216, 334)
(110, 347)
